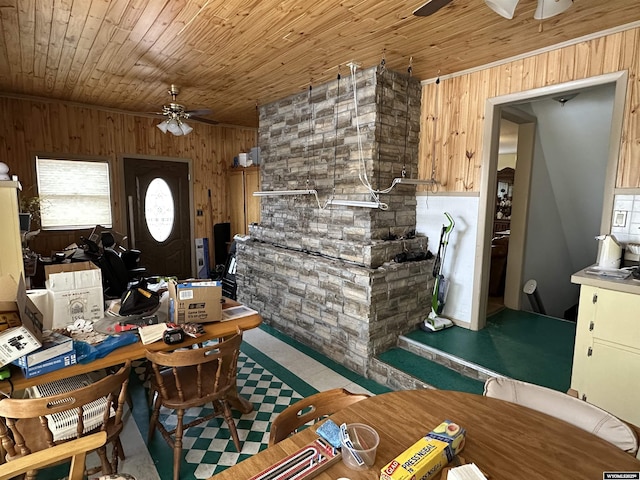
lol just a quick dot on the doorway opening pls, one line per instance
(566, 225)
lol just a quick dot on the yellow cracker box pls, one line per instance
(425, 458)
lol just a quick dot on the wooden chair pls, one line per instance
(75, 449)
(310, 410)
(193, 378)
(565, 407)
(25, 429)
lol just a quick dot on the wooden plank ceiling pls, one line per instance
(228, 55)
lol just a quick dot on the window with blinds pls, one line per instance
(73, 194)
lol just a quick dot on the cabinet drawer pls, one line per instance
(617, 317)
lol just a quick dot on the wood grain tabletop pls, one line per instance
(505, 440)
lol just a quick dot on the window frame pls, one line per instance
(80, 158)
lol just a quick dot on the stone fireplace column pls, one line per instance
(327, 275)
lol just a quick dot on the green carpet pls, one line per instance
(518, 344)
(430, 372)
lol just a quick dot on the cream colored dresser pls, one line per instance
(11, 262)
(606, 358)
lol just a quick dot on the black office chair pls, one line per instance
(229, 285)
(116, 274)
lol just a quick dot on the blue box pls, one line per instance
(61, 361)
(54, 344)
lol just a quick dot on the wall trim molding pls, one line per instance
(34, 98)
(573, 41)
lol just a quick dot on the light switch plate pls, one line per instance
(620, 218)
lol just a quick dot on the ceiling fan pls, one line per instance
(175, 115)
(431, 7)
(505, 8)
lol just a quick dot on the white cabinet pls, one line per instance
(11, 262)
(606, 359)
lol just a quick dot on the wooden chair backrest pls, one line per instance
(224, 354)
(12, 410)
(75, 449)
(311, 409)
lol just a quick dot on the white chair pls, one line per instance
(565, 407)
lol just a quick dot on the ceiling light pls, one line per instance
(175, 125)
(551, 8)
(545, 9)
(163, 126)
(185, 128)
(505, 8)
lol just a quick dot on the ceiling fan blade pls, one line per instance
(202, 111)
(431, 7)
(203, 120)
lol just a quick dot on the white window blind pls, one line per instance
(73, 193)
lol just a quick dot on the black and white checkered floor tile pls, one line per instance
(208, 448)
(274, 371)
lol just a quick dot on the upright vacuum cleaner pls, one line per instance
(434, 321)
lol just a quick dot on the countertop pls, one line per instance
(628, 285)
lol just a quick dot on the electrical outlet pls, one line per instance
(199, 213)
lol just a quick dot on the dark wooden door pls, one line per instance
(158, 215)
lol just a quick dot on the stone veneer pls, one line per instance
(326, 275)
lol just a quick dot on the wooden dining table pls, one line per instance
(134, 351)
(505, 440)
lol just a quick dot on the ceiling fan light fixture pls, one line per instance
(163, 126)
(175, 115)
(504, 8)
(186, 129)
(551, 8)
(174, 127)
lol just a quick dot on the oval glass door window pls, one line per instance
(158, 209)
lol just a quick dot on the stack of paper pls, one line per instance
(151, 333)
(468, 471)
(232, 313)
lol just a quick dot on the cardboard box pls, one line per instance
(425, 458)
(14, 302)
(17, 341)
(74, 292)
(53, 345)
(195, 301)
(50, 365)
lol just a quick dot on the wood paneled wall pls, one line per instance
(29, 127)
(457, 106)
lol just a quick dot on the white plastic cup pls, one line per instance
(364, 443)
